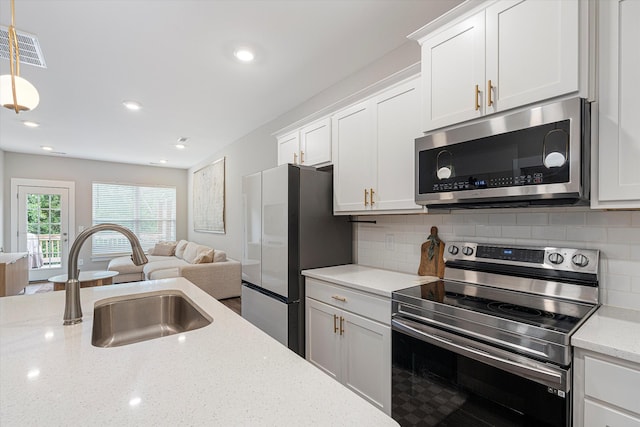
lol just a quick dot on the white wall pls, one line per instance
(394, 241)
(1, 200)
(83, 173)
(258, 151)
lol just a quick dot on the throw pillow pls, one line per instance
(190, 252)
(205, 255)
(219, 256)
(164, 249)
(180, 247)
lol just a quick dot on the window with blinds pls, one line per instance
(150, 212)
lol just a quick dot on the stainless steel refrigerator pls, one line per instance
(289, 227)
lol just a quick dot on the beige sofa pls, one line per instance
(209, 269)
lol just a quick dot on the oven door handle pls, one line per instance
(554, 377)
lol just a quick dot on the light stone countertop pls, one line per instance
(612, 331)
(228, 373)
(368, 279)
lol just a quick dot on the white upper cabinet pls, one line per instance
(513, 53)
(309, 145)
(532, 51)
(618, 149)
(453, 71)
(353, 148)
(373, 146)
(315, 143)
(288, 148)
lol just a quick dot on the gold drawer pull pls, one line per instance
(301, 157)
(295, 158)
(339, 298)
(477, 96)
(366, 193)
(341, 325)
(489, 88)
(372, 201)
(335, 326)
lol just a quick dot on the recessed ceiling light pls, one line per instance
(30, 124)
(46, 148)
(132, 105)
(181, 143)
(244, 55)
(163, 161)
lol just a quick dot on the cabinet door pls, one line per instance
(532, 51)
(366, 355)
(453, 63)
(288, 147)
(315, 143)
(322, 338)
(354, 150)
(598, 415)
(619, 110)
(397, 119)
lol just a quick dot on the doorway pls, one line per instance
(43, 222)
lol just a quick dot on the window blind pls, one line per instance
(150, 212)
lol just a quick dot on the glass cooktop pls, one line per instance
(536, 310)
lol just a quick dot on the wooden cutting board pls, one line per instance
(431, 256)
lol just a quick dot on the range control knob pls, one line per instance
(453, 249)
(555, 258)
(467, 250)
(580, 260)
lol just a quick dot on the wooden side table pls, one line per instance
(87, 279)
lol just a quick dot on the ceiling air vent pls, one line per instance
(30, 52)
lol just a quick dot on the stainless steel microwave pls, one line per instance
(539, 156)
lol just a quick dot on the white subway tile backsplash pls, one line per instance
(532, 218)
(549, 232)
(502, 219)
(516, 231)
(586, 234)
(488, 230)
(609, 219)
(629, 235)
(615, 233)
(567, 218)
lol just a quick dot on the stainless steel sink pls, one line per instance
(134, 318)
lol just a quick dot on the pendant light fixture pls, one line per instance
(16, 93)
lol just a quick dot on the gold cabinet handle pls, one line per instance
(301, 157)
(372, 201)
(341, 325)
(489, 89)
(477, 97)
(366, 193)
(339, 298)
(295, 158)
(335, 326)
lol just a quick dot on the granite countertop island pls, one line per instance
(226, 373)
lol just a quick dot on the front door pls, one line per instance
(43, 227)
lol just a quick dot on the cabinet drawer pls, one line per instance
(370, 306)
(597, 415)
(612, 383)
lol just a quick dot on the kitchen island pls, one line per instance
(226, 373)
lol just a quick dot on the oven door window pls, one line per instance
(436, 387)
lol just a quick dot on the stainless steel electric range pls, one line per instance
(490, 343)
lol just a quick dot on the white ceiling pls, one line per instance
(176, 58)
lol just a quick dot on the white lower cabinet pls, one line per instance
(605, 391)
(352, 348)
